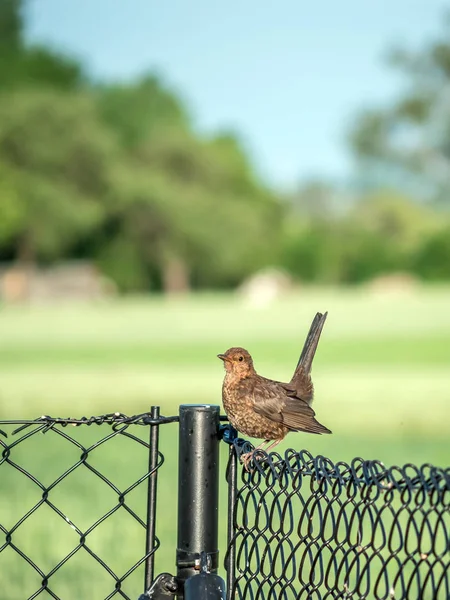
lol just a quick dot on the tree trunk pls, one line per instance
(17, 284)
(25, 254)
(175, 275)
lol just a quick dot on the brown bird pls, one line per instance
(263, 408)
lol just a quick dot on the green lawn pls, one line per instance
(381, 375)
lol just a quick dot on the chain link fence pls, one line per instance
(86, 486)
(78, 516)
(305, 527)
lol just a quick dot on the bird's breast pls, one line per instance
(238, 401)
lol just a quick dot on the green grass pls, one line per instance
(381, 375)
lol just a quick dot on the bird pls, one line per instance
(263, 408)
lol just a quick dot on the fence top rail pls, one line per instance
(293, 465)
(115, 419)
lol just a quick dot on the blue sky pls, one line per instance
(287, 76)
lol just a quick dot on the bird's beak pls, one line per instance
(222, 357)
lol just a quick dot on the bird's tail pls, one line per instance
(310, 347)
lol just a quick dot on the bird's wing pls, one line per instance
(302, 387)
(274, 401)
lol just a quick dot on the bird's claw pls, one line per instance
(246, 459)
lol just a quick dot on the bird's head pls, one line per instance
(238, 362)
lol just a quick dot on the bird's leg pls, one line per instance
(260, 447)
(247, 457)
(273, 444)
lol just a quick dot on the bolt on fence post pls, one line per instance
(198, 491)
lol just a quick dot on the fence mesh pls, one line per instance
(306, 528)
(77, 509)
(54, 543)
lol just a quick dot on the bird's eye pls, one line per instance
(241, 358)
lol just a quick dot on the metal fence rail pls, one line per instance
(304, 527)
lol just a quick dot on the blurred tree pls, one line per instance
(118, 174)
(24, 65)
(11, 211)
(140, 110)
(395, 218)
(432, 259)
(191, 208)
(56, 160)
(11, 26)
(315, 198)
(192, 213)
(378, 234)
(408, 143)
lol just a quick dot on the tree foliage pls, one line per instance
(408, 143)
(118, 174)
(57, 159)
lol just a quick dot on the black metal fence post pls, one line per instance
(151, 499)
(198, 502)
(230, 558)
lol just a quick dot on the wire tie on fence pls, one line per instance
(29, 424)
(228, 434)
